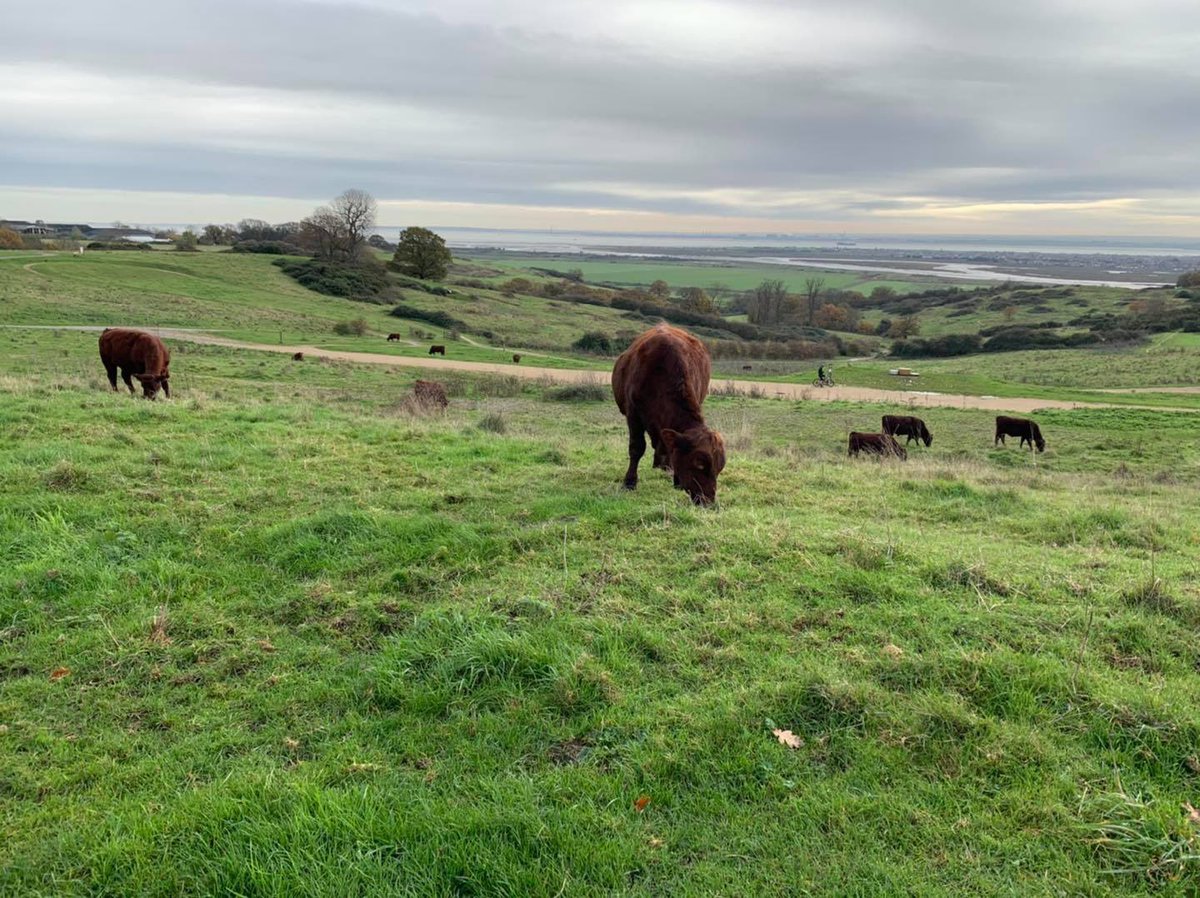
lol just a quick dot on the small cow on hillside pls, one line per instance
(876, 444)
(298, 357)
(516, 358)
(437, 350)
(907, 426)
(392, 338)
(1027, 430)
(659, 383)
(138, 354)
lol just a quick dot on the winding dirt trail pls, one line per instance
(770, 389)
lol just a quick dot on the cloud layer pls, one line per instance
(867, 115)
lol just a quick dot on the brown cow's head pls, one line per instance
(151, 384)
(697, 456)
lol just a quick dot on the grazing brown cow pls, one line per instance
(437, 350)
(1027, 430)
(138, 354)
(659, 383)
(298, 357)
(876, 444)
(392, 338)
(430, 393)
(516, 358)
(907, 426)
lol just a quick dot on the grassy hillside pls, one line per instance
(279, 636)
(246, 297)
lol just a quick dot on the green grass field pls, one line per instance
(282, 636)
(735, 276)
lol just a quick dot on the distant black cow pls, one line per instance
(516, 358)
(437, 350)
(747, 368)
(1027, 430)
(907, 426)
(298, 357)
(875, 444)
(392, 338)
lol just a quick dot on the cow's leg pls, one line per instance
(166, 388)
(637, 448)
(112, 375)
(128, 378)
(999, 439)
(660, 454)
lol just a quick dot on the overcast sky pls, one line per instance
(868, 116)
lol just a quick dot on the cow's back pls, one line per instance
(138, 350)
(663, 367)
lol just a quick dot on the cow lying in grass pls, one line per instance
(881, 444)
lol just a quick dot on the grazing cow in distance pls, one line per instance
(747, 368)
(430, 393)
(138, 354)
(392, 338)
(907, 426)
(1027, 430)
(876, 444)
(659, 383)
(437, 350)
(516, 358)
(298, 357)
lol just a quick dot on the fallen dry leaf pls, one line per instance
(1193, 764)
(893, 651)
(656, 842)
(640, 804)
(788, 738)
(265, 645)
(1193, 813)
(59, 672)
(291, 744)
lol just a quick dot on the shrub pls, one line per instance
(120, 245)
(267, 247)
(10, 239)
(493, 423)
(937, 347)
(360, 281)
(354, 328)
(439, 318)
(595, 342)
(580, 392)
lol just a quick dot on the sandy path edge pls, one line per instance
(770, 389)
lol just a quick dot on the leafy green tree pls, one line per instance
(421, 253)
(660, 289)
(186, 242)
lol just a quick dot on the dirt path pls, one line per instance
(773, 390)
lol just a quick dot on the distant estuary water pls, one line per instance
(1130, 263)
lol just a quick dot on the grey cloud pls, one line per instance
(1053, 97)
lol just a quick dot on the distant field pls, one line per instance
(739, 276)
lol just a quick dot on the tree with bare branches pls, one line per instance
(812, 295)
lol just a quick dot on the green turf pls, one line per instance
(732, 275)
(319, 645)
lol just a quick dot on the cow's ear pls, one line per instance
(669, 438)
